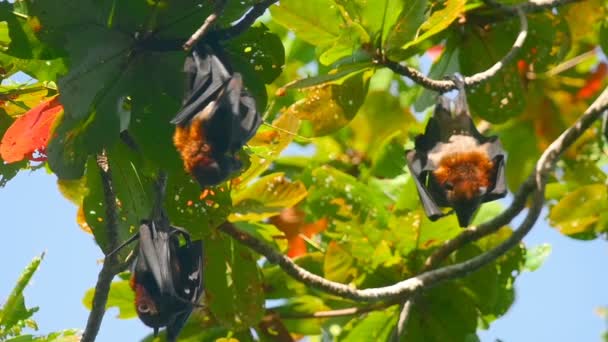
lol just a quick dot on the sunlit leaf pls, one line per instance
(266, 197)
(580, 210)
(536, 256)
(330, 107)
(121, 296)
(30, 132)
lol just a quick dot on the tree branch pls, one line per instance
(404, 289)
(446, 85)
(207, 24)
(111, 265)
(256, 11)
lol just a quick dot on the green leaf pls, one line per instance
(302, 305)
(376, 326)
(132, 184)
(581, 210)
(265, 232)
(536, 256)
(341, 197)
(259, 56)
(14, 310)
(377, 20)
(308, 22)
(338, 264)
(266, 198)
(235, 293)
(326, 29)
(502, 97)
(405, 29)
(436, 322)
(389, 160)
(121, 296)
(604, 37)
(334, 76)
(447, 64)
(438, 21)
(330, 107)
(267, 145)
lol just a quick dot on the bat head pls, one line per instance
(216, 170)
(453, 165)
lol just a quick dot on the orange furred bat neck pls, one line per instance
(191, 142)
(143, 302)
(463, 174)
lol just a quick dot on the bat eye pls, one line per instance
(448, 186)
(143, 308)
(482, 190)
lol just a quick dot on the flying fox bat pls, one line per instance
(217, 118)
(453, 165)
(166, 276)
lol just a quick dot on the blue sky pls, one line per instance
(555, 303)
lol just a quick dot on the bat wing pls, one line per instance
(206, 75)
(155, 256)
(500, 184)
(190, 284)
(415, 166)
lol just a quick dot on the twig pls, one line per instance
(404, 316)
(209, 21)
(340, 312)
(256, 11)
(406, 288)
(111, 265)
(446, 85)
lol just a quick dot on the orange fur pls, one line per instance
(192, 145)
(466, 171)
(143, 300)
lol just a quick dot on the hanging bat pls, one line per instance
(166, 276)
(217, 118)
(453, 165)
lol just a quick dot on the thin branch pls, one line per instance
(406, 288)
(446, 85)
(209, 21)
(256, 11)
(534, 6)
(570, 63)
(339, 312)
(404, 316)
(111, 266)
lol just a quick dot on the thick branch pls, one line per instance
(111, 265)
(406, 288)
(256, 11)
(207, 24)
(446, 85)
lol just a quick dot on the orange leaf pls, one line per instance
(434, 52)
(291, 222)
(30, 132)
(594, 83)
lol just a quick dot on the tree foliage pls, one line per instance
(325, 179)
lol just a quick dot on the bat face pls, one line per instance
(166, 278)
(453, 165)
(217, 118)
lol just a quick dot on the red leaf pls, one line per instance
(291, 222)
(594, 83)
(434, 52)
(30, 133)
